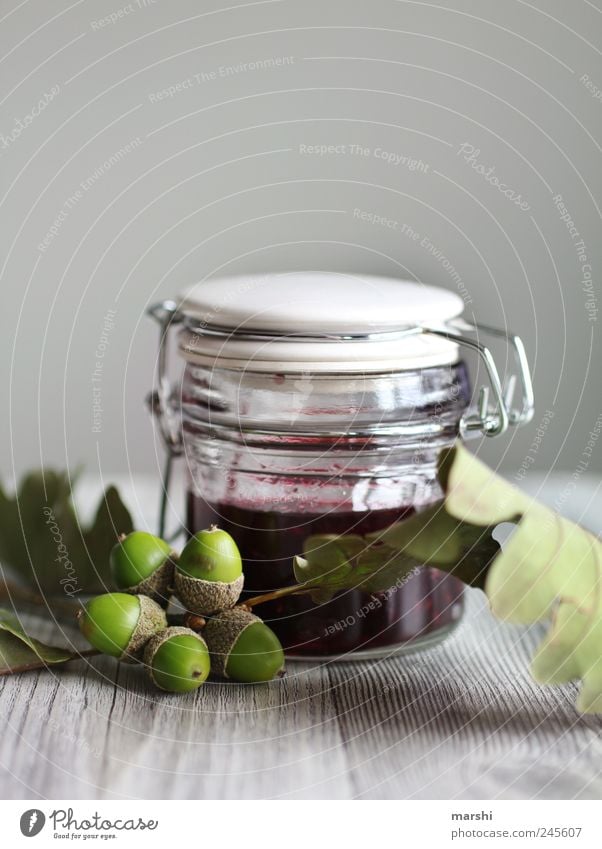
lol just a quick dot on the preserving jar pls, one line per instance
(315, 403)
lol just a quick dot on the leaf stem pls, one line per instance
(42, 664)
(297, 589)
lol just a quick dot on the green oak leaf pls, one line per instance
(330, 564)
(550, 569)
(21, 653)
(43, 543)
(435, 538)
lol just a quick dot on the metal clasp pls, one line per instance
(159, 400)
(493, 420)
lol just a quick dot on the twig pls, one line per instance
(299, 589)
(42, 664)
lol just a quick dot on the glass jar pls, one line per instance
(294, 423)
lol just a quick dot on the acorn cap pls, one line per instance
(135, 557)
(207, 597)
(157, 586)
(152, 620)
(222, 633)
(155, 643)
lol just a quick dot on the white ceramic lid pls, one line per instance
(258, 311)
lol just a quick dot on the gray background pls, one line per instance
(218, 183)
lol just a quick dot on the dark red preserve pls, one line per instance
(426, 604)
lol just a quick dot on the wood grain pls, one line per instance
(462, 720)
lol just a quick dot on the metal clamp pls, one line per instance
(493, 421)
(159, 401)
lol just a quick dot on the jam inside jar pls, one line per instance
(426, 604)
(272, 491)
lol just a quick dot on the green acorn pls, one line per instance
(177, 660)
(142, 564)
(120, 624)
(209, 574)
(242, 647)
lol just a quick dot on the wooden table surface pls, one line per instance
(463, 720)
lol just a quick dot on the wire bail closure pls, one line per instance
(159, 401)
(493, 421)
(489, 419)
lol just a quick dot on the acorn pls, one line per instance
(177, 660)
(242, 647)
(121, 624)
(209, 574)
(142, 564)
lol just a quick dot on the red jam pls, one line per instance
(353, 620)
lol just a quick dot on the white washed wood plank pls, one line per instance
(466, 721)
(462, 720)
(227, 741)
